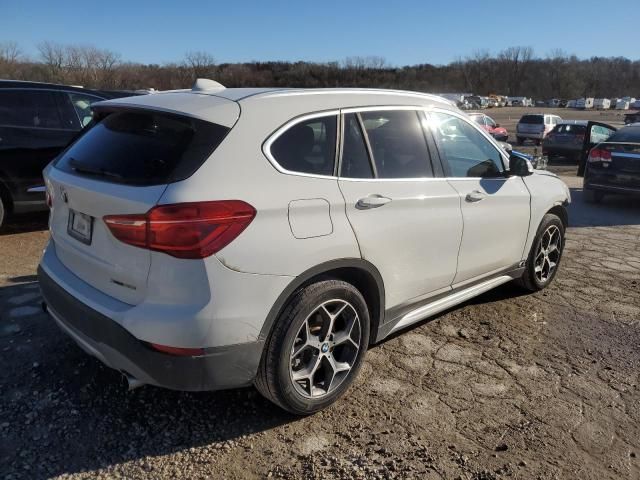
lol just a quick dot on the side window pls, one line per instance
(82, 105)
(479, 119)
(355, 159)
(397, 143)
(464, 150)
(16, 109)
(490, 123)
(308, 146)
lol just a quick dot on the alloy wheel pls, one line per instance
(325, 348)
(548, 254)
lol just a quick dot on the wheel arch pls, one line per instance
(5, 194)
(561, 211)
(358, 272)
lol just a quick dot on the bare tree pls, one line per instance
(200, 64)
(515, 61)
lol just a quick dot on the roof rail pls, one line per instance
(205, 84)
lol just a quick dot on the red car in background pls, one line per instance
(486, 122)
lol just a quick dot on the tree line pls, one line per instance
(514, 71)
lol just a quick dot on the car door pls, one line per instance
(495, 207)
(596, 132)
(405, 215)
(33, 130)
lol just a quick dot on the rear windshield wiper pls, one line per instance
(100, 172)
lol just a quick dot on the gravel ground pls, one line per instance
(541, 386)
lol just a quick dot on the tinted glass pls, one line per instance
(465, 151)
(398, 144)
(142, 148)
(626, 134)
(355, 159)
(308, 147)
(533, 119)
(29, 108)
(571, 129)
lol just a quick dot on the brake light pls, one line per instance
(599, 155)
(184, 230)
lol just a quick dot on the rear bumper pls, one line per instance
(535, 136)
(219, 368)
(596, 179)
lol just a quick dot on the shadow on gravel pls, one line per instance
(503, 292)
(63, 412)
(614, 210)
(31, 222)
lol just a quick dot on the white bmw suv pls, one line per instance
(216, 238)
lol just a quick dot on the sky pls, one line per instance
(404, 32)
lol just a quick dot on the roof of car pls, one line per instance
(207, 103)
(574, 122)
(22, 84)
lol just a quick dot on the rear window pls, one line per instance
(142, 148)
(571, 129)
(532, 119)
(626, 134)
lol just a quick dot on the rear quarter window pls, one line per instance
(142, 148)
(308, 146)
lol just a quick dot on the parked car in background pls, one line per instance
(602, 104)
(535, 127)
(565, 139)
(540, 103)
(571, 103)
(218, 238)
(630, 118)
(477, 101)
(494, 129)
(553, 103)
(37, 121)
(612, 165)
(596, 133)
(585, 103)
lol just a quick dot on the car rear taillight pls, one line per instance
(599, 155)
(184, 230)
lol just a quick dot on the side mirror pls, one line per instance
(520, 167)
(497, 125)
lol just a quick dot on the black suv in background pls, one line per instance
(37, 121)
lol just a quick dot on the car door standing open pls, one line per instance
(495, 207)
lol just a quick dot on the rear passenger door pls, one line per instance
(405, 215)
(495, 207)
(34, 128)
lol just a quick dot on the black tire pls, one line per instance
(529, 280)
(592, 196)
(3, 212)
(274, 377)
(520, 140)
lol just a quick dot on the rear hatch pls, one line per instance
(568, 135)
(531, 124)
(122, 165)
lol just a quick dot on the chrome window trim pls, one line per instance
(266, 146)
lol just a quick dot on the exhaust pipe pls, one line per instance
(132, 382)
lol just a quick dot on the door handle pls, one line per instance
(372, 201)
(475, 196)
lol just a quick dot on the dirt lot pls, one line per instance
(509, 385)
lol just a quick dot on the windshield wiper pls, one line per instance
(100, 172)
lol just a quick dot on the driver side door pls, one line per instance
(597, 132)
